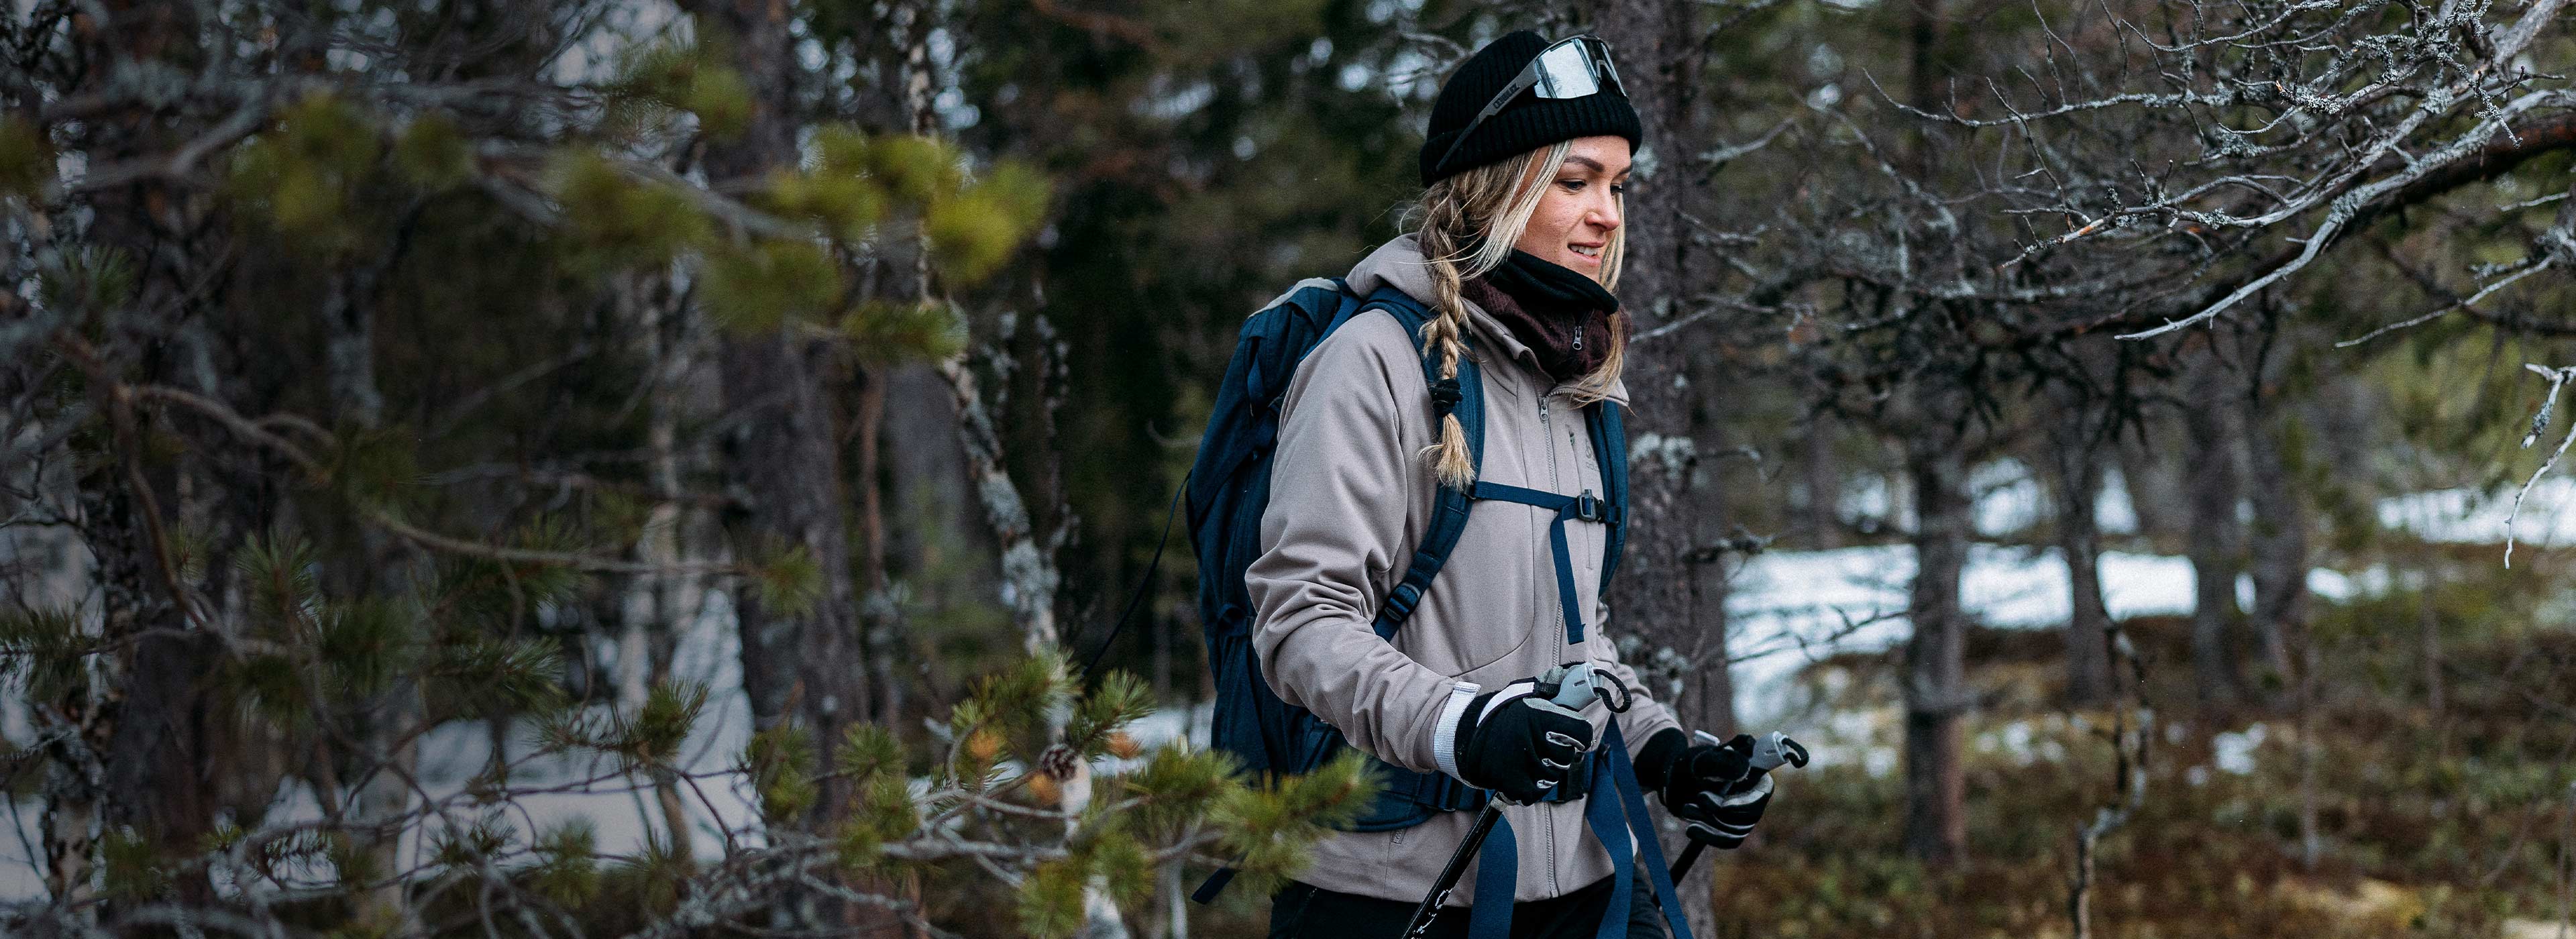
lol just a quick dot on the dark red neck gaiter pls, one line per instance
(1567, 319)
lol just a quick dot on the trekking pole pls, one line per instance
(1768, 754)
(1572, 687)
(1449, 874)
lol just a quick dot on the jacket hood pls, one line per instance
(1399, 264)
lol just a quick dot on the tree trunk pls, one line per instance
(2312, 843)
(655, 608)
(2075, 447)
(1673, 586)
(934, 533)
(92, 785)
(1658, 591)
(2216, 537)
(880, 619)
(386, 759)
(1670, 592)
(1707, 701)
(73, 779)
(1936, 694)
(1030, 574)
(1936, 698)
(161, 771)
(782, 462)
(82, 727)
(2429, 643)
(801, 664)
(2158, 499)
(934, 503)
(50, 568)
(119, 502)
(1823, 468)
(783, 458)
(2278, 537)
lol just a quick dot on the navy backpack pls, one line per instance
(1229, 487)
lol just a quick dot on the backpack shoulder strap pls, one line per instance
(1351, 305)
(1464, 397)
(1610, 447)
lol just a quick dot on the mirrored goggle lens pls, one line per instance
(1565, 70)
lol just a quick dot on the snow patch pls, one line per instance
(621, 809)
(2009, 498)
(2477, 516)
(2234, 750)
(2113, 513)
(1789, 609)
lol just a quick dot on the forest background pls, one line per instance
(626, 468)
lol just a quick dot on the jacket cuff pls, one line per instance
(1444, 735)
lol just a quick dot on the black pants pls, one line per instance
(1303, 912)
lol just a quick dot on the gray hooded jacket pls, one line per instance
(1349, 497)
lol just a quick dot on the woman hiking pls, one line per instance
(1514, 248)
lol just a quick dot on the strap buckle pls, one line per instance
(1445, 396)
(1589, 507)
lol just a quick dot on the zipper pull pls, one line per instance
(1578, 340)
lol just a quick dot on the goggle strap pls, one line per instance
(1520, 83)
(1596, 57)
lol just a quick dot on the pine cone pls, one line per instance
(1058, 761)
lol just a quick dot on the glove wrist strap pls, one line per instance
(1444, 734)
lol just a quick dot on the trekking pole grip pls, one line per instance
(1771, 752)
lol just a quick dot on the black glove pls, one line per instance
(1714, 787)
(1517, 744)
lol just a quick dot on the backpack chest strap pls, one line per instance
(1586, 507)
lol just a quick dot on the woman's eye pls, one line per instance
(1571, 185)
(1619, 188)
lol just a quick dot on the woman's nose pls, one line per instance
(1605, 215)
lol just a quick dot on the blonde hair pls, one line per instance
(1466, 225)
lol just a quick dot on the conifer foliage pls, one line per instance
(355, 389)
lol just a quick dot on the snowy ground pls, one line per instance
(453, 753)
(2471, 516)
(1787, 609)
(1791, 608)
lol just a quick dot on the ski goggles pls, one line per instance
(1575, 67)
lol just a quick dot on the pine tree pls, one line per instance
(344, 326)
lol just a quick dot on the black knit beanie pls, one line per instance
(1527, 123)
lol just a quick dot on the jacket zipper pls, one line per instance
(1575, 450)
(1547, 429)
(1554, 858)
(1556, 483)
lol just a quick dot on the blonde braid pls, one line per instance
(1473, 218)
(1451, 460)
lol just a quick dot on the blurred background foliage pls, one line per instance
(394, 382)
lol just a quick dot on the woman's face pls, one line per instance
(1575, 217)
